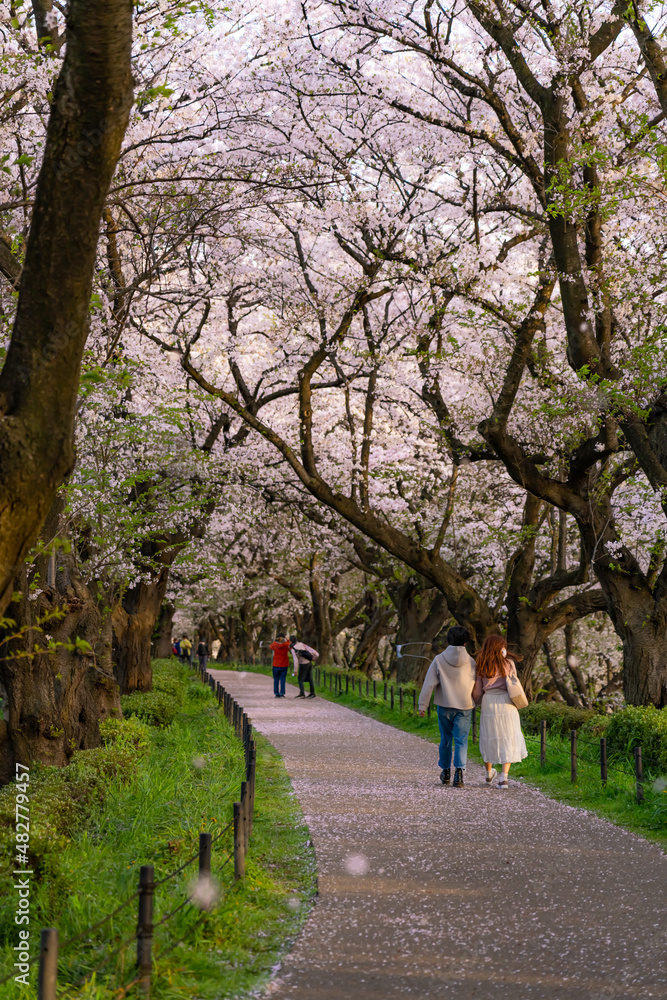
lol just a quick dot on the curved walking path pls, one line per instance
(436, 892)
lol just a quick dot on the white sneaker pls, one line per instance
(503, 782)
(490, 775)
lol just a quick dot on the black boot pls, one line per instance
(446, 776)
(458, 778)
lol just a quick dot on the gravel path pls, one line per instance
(446, 893)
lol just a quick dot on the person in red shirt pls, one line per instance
(281, 655)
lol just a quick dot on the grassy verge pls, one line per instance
(184, 780)
(616, 801)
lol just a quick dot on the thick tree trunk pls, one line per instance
(132, 654)
(378, 623)
(204, 632)
(422, 613)
(40, 378)
(644, 657)
(56, 699)
(164, 632)
(247, 632)
(321, 596)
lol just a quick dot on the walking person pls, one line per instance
(303, 657)
(202, 653)
(497, 687)
(186, 649)
(451, 676)
(281, 652)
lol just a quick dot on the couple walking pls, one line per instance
(460, 682)
(302, 658)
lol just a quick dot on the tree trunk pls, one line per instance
(141, 605)
(422, 613)
(377, 624)
(204, 632)
(321, 597)
(39, 381)
(56, 698)
(164, 632)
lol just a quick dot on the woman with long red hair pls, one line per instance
(500, 738)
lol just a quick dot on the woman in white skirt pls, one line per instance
(500, 738)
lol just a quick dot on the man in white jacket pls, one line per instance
(452, 677)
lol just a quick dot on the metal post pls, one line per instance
(385, 690)
(145, 928)
(400, 699)
(375, 689)
(543, 742)
(603, 760)
(359, 683)
(48, 964)
(239, 859)
(204, 854)
(573, 755)
(639, 774)
(367, 683)
(347, 683)
(392, 697)
(414, 700)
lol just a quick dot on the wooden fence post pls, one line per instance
(385, 690)
(573, 755)
(428, 709)
(414, 700)
(639, 774)
(244, 804)
(400, 699)
(239, 859)
(603, 760)
(543, 742)
(48, 964)
(347, 683)
(252, 766)
(375, 690)
(367, 687)
(204, 854)
(145, 928)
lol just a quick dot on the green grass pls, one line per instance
(185, 782)
(616, 802)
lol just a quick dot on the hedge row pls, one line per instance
(624, 730)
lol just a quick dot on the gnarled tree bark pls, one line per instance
(40, 378)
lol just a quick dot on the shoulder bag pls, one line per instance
(516, 692)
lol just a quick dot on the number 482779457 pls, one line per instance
(22, 814)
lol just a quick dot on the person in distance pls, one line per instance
(303, 657)
(281, 651)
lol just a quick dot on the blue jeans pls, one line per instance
(279, 675)
(454, 726)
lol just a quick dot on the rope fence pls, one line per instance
(143, 970)
(338, 683)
